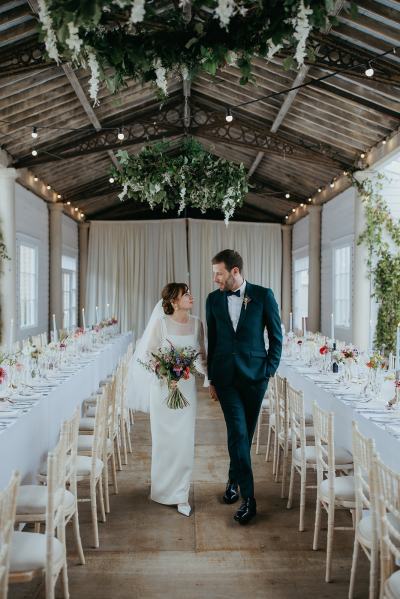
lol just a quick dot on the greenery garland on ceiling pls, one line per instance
(171, 177)
(149, 40)
(382, 238)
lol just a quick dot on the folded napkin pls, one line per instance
(9, 414)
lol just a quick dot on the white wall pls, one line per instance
(337, 227)
(32, 223)
(301, 234)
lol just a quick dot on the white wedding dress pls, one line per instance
(172, 431)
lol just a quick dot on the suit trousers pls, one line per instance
(241, 403)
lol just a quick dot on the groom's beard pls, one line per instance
(229, 284)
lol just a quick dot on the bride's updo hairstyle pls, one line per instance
(170, 293)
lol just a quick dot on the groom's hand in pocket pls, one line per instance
(213, 393)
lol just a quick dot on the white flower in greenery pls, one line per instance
(94, 81)
(184, 72)
(123, 192)
(231, 59)
(224, 11)
(50, 36)
(161, 76)
(302, 30)
(273, 49)
(138, 11)
(74, 42)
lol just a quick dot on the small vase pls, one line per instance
(347, 373)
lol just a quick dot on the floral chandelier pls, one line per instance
(190, 177)
(145, 40)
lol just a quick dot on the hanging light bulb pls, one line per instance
(384, 142)
(287, 195)
(48, 186)
(310, 199)
(34, 152)
(68, 203)
(362, 155)
(59, 196)
(34, 133)
(35, 178)
(286, 217)
(332, 184)
(319, 189)
(301, 205)
(345, 173)
(111, 180)
(293, 209)
(369, 71)
(120, 134)
(76, 209)
(229, 116)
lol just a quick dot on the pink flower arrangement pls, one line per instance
(3, 375)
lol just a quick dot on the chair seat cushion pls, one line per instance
(364, 527)
(84, 466)
(343, 489)
(393, 585)
(86, 424)
(85, 443)
(28, 551)
(91, 412)
(32, 499)
(342, 456)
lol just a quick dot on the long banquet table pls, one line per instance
(370, 423)
(25, 443)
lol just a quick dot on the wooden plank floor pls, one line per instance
(149, 551)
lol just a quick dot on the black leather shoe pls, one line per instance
(247, 511)
(231, 494)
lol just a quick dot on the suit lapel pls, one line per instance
(243, 311)
(224, 305)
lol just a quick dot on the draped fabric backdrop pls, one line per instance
(130, 262)
(259, 244)
(128, 265)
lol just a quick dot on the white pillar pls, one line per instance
(361, 306)
(286, 274)
(55, 307)
(314, 269)
(8, 286)
(83, 260)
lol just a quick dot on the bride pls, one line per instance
(172, 431)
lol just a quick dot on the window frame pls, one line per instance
(299, 254)
(32, 243)
(70, 254)
(343, 242)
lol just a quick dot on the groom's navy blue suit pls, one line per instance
(239, 367)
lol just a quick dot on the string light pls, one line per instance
(120, 134)
(34, 152)
(362, 155)
(229, 116)
(310, 199)
(301, 205)
(68, 203)
(345, 173)
(287, 195)
(48, 186)
(76, 209)
(369, 71)
(35, 178)
(332, 184)
(111, 180)
(384, 142)
(286, 217)
(319, 189)
(34, 133)
(293, 209)
(59, 196)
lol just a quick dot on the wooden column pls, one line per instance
(55, 282)
(314, 269)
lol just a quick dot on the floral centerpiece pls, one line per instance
(350, 354)
(171, 365)
(376, 361)
(191, 177)
(148, 40)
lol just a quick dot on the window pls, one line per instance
(69, 292)
(28, 285)
(342, 285)
(300, 291)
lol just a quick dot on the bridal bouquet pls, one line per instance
(172, 364)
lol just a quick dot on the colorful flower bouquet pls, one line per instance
(172, 364)
(376, 361)
(350, 354)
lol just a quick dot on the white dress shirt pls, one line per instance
(235, 305)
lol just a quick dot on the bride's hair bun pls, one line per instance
(170, 293)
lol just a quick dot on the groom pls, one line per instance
(239, 365)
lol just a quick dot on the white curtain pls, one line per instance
(259, 244)
(128, 265)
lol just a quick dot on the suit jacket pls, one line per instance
(241, 354)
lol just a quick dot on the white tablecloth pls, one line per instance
(27, 441)
(387, 445)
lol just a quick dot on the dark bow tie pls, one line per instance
(237, 293)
